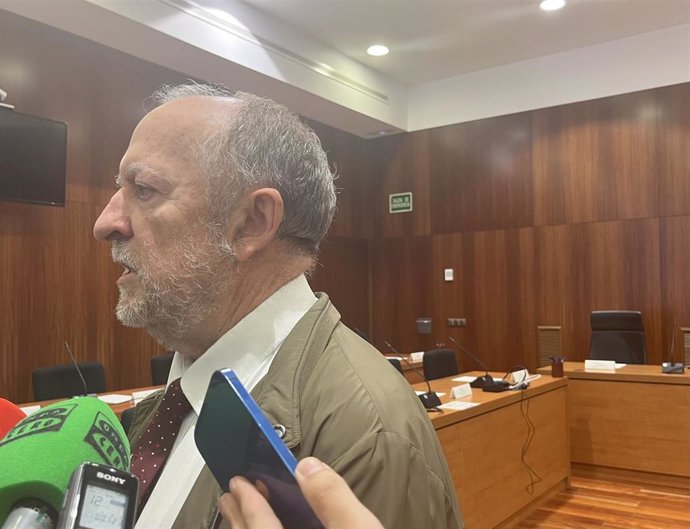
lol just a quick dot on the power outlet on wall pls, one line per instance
(457, 322)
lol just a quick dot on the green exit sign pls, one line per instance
(400, 202)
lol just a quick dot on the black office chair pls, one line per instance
(439, 363)
(59, 381)
(126, 419)
(160, 368)
(396, 364)
(618, 335)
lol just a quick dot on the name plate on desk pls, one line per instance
(463, 390)
(600, 365)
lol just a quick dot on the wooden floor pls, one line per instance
(612, 504)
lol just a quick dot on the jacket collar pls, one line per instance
(279, 392)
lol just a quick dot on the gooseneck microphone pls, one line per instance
(76, 366)
(673, 367)
(39, 455)
(479, 382)
(429, 399)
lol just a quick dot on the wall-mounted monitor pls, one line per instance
(33, 158)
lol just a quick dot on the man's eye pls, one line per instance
(143, 192)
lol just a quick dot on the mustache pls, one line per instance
(123, 256)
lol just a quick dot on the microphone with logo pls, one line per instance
(485, 382)
(429, 399)
(38, 456)
(9, 416)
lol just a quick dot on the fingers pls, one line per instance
(246, 508)
(332, 500)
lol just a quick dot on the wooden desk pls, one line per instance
(117, 408)
(635, 419)
(483, 448)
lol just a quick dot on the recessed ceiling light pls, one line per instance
(377, 50)
(551, 5)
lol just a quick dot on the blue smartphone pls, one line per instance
(236, 439)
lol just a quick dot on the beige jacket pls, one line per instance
(341, 401)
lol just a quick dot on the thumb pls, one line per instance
(331, 499)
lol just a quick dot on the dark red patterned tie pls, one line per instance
(153, 447)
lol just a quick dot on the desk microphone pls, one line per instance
(429, 399)
(76, 366)
(478, 382)
(673, 367)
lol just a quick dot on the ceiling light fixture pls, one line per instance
(551, 5)
(377, 50)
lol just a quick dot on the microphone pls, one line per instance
(429, 399)
(9, 416)
(673, 367)
(39, 455)
(76, 366)
(478, 382)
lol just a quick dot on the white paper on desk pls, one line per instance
(458, 405)
(115, 398)
(441, 394)
(141, 395)
(30, 409)
(618, 366)
(466, 378)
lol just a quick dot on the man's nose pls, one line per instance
(113, 222)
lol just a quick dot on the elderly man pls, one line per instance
(223, 200)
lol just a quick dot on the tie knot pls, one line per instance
(175, 403)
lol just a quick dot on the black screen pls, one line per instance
(33, 154)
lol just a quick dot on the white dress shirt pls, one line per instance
(248, 348)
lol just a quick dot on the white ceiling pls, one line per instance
(436, 39)
(450, 61)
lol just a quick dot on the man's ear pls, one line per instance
(261, 216)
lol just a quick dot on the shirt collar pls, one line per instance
(252, 341)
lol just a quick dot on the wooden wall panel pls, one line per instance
(343, 273)
(673, 140)
(398, 164)
(493, 287)
(59, 285)
(481, 175)
(675, 279)
(402, 289)
(596, 160)
(598, 266)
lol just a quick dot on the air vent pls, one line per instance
(686, 344)
(548, 344)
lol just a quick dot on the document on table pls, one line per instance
(115, 398)
(458, 405)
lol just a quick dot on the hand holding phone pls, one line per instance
(328, 494)
(236, 439)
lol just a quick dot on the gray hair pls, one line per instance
(264, 144)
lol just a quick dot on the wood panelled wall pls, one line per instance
(57, 283)
(544, 216)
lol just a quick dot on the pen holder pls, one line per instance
(556, 368)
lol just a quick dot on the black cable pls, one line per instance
(534, 478)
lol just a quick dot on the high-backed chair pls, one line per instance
(54, 382)
(396, 364)
(160, 368)
(439, 363)
(618, 335)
